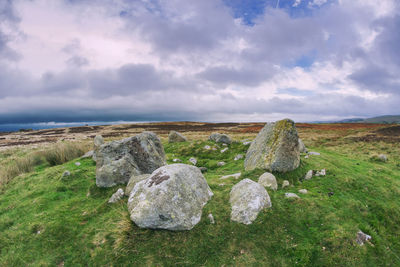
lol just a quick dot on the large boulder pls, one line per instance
(248, 198)
(175, 137)
(117, 161)
(276, 148)
(220, 138)
(172, 198)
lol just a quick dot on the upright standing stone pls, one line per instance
(276, 148)
(175, 137)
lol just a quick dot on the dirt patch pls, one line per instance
(389, 131)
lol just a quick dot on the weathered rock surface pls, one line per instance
(171, 198)
(302, 147)
(220, 138)
(276, 148)
(248, 198)
(133, 181)
(175, 137)
(116, 196)
(309, 175)
(268, 180)
(117, 161)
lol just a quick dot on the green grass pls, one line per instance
(47, 221)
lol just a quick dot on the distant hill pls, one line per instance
(380, 119)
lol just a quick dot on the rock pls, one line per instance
(203, 169)
(116, 196)
(383, 157)
(247, 199)
(238, 156)
(214, 148)
(306, 156)
(117, 161)
(314, 153)
(193, 161)
(211, 218)
(98, 141)
(171, 198)
(321, 173)
(309, 175)
(221, 163)
(302, 147)
(65, 174)
(175, 137)
(235, 175)
(330, 194)
(133, 181)
(291, 195)
(220, 138)
(303, 191)
(276, 148)
(268, 180)
(77, 164)
(285, 183)
(223, 150)
(362, 238)
(246, 142)
(207, 147)
(224, 144)
(88, 154)
(177, 160)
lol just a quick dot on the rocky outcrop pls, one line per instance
(117, 161)
(248, 198)
(220, 138)
(276, 148)
(171, 198)
(175, 137)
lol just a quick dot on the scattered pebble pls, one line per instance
(314, 153)
(207, 147)
(221, 163)
(308, 175)
(238, 156)
(246, 143)
(383, 157)
(203, 169)
(77, 163)
(306, 156)
(291, 195)
(223, 150)
(235, 175)
(116, 196)
(193, 161)
(211, 218)
(362, 238)
(303, 191)
(321, 173)
(177, 160)
(330, 194)
(66, 173)
(285, 183)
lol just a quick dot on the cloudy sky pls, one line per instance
(208, 60)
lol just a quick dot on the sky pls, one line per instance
(208, 60)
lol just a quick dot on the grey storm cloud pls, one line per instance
(201, 49)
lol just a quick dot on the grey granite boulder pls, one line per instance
(276, 148)
(302, 147)
(247, 199)
(220, 138)
(133, 181)
(172, 198)
(175, 137)
(268, 180)
(117, 161)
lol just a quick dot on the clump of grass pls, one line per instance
(63, 152)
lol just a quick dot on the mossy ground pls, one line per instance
(46, 220)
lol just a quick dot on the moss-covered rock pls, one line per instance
(276, 148)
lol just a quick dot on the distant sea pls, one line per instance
(15, 127)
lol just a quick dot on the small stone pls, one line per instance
(321, 173)
(207, 147)
(214, 148)
(383, 157)
(211, 218)
(223, 150)
(291, 195)
(306, 156)
(238, 156)
(221, 163)
(65, 174)
(77, 163)
(268, 180)
(88, 154)
(246, 143)
(203, 169)
(193, 161)
(303, 191)
(308, 175)
(235, 175)
(285, 183)
(314, 153)
(362, 238)
(330, 194)
(177, 160)
(302, 147)
(220, 138)
(116, 196)
(175, 137)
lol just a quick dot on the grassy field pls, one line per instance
(47, 220)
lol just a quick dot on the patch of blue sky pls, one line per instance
(294, 92)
